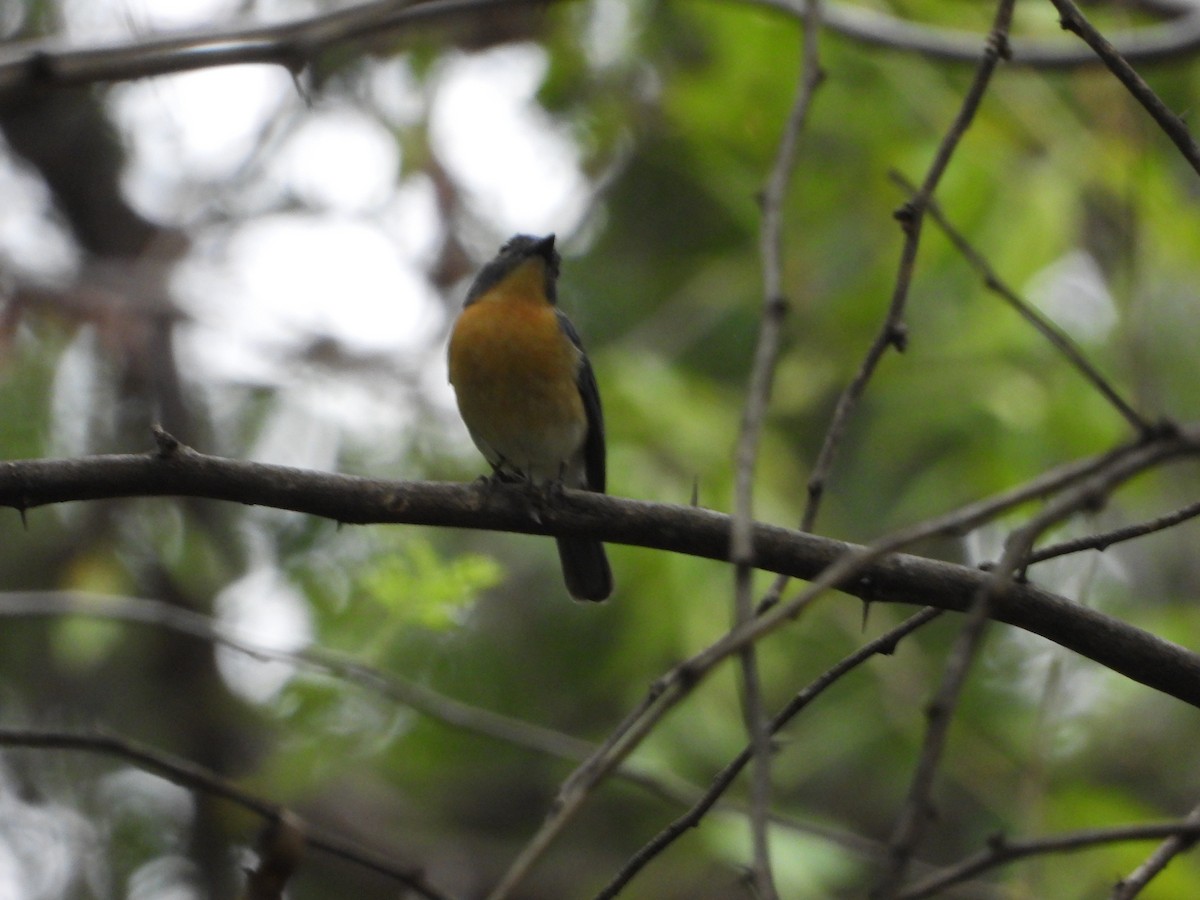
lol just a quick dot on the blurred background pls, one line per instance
(267, 264)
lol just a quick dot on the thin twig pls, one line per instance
(416, 696)
(884, 644)
(1074, 21)
(432, 704)
(1001, 851)
(911, 216)
(1060, 340)
(766, 357)
(1106, 539)
(1175, 39)
(197, 778)
(918, 808)
(1179, 842)
(844, 573)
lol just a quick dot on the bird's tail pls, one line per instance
(585, 569)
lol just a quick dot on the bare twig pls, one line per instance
(1051, 332)
(291, 44)
(1181, 841)
(918, 807)
(1175, 39)
(197, 778)
(766, 356)
(884, 644)
(416, 696)
(1001, 851)
(1106, 539)
(1073, 20)
(893, 332)
(436, 706)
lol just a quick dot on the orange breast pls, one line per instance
(514, 374)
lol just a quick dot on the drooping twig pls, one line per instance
(193, 777)
(421, 698)
(884, 644)
(1074, 21)
(437, 706)
(1051, 332)
(291, 44)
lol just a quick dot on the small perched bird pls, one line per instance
(527, 393)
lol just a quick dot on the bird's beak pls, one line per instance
(545, 247)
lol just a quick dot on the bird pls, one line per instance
(527, 393)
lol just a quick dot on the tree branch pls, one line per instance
(677, 684)
(762, 377)
(884, 577)
(291, 44)
(1001, 851)
(1059, 339)
(438, 707)
(1180, 841)
(1073, 20)
(197, 778)
(294, 44)
(918, 810)
(1106, 539)
(893, 332)
(884, 644)
(1174, 39)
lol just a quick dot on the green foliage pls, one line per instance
(675, 110)
(422, 589)
(371, 593)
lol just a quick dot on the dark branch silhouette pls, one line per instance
(892, 578)
(884, 644)
(1171, 124)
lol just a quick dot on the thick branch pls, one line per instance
(291, 44)
(898, 578)
(294, 44)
